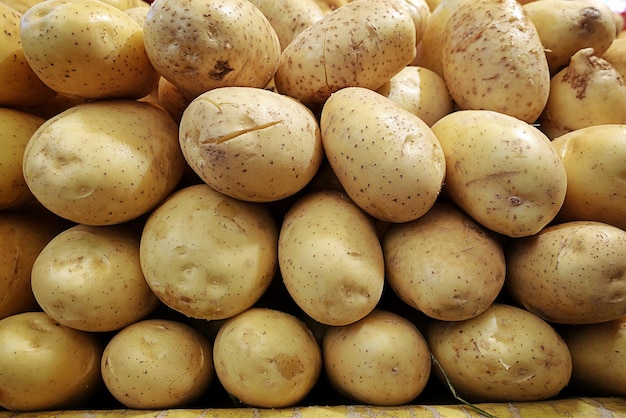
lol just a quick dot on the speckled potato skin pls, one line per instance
(502, 171)
(199, 46)
(382, 359)
(45, 365)
(251, 144)
(362, 43)
(570, 273)
(89, 278)
(492, 58)
(266, 358)
(596, 181)
(444, 264)
(208, 255)
(104, 162)
(505, 354)
(98, 50)
(330, 258)
(157, 364)
(387, 159)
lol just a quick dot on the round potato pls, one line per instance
(104, 162)
(570, 273)
(208, 255)
(251, 144)
(444, 264)
(157, 363)
(505, 354)
(502, 171)
(387, 159)
(98, 49)
(45, 365)
(266, 358)
(330, 258)
(382, 359)
(199, 46)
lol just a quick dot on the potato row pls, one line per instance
(268, 204)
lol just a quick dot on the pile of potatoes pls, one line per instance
(251, 202)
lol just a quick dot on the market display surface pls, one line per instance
(306, 208)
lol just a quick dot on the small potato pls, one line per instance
(598, 366)
(330, 258)
(156, 364)
(362, 43)
(199, 46)
(502, 171)
(98, 49)
(251, 144)
(616, 56)
(266, 358)
(104, 162)
(45, 365)
(382, 359)
(505, 354)
(594, 159)
(387, 159)
(208, 255)
(444, 264)
(493, 59)
(570, 273)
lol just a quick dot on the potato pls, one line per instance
(594, 161)
(199, 46)
(104, 162)
(364, 43)
(17, 128)
(493, 59)
(99, 49)
(45, 365)
(382, 359)
(420, 91)
(251, 144)
(266, 358)
(616, 56)
(502, 171)
(567, 26)
(387, 159)
(505, 354)
(19, 85)
(21, 5)
(570, 273)
(157, 363)
(597, 350)
(444, 264)
(207, 255)
(330, 258)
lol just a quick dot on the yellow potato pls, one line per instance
(503, 172)
(505, 354)
(387, 159)
(330, 258)
(104, 162)
(493, 59)
(570, 273)
(616, 55)
(98, 49)
(363, 44)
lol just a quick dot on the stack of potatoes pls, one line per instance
(261, 200)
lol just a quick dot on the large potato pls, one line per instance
(387, 159)
(502, 171)
(362, 43)
(505, 354)
(98, 49)
(251, 144)
(199, 45)
(330, 258)
(208, 255)
(104, 162)
(570, 273)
